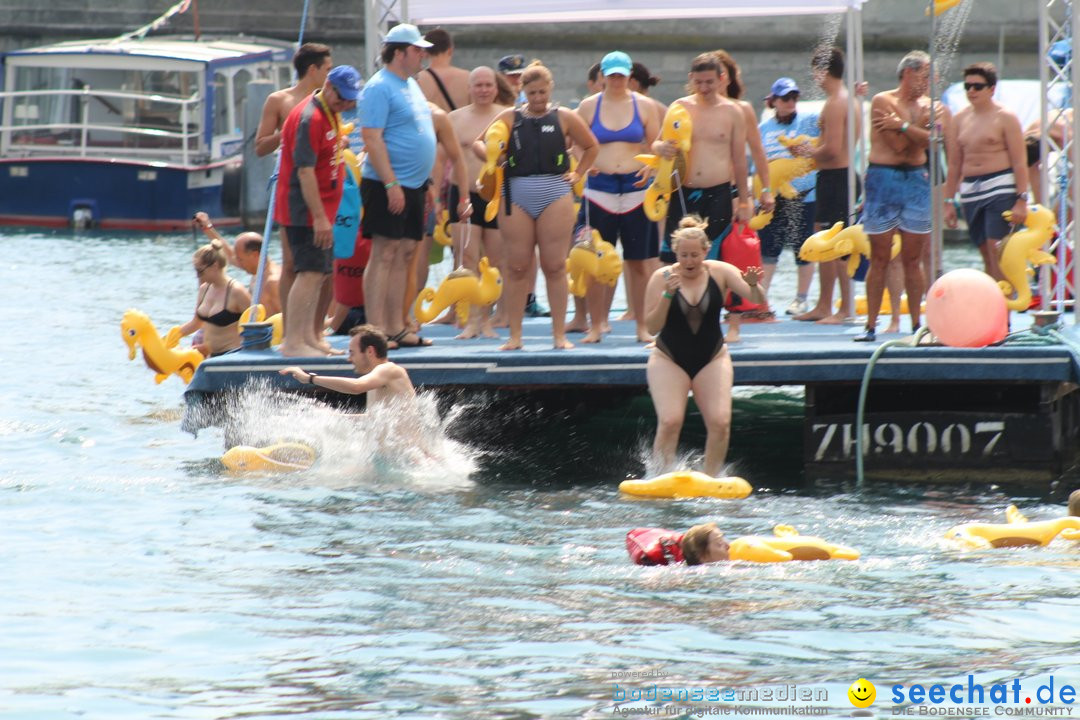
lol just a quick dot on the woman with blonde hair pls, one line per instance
(683, 305)
(537, 198)
(221, 301)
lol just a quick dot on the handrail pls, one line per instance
(122, 94)
(150, 131)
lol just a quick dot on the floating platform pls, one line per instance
(1005, 412)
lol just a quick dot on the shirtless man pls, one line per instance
(470, 122)
(312, 63)
(832, 157)
(898, 190)
(985, 146)
(442, 83)
(244, 253)
(381, 379)
(717, 155)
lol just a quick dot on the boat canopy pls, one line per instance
(435, 12)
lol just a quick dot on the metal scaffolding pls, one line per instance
(379, 17)
(1059, 150)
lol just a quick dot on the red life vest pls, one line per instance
(654, 546)
(741, 248)
(349, 274)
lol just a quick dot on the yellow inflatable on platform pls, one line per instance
(160, 353)
(490, 182)
(1020, 249)
(1017, 532)
(838, 241)
(442, 229)
(462, 288)
(688, 484)
(783, 170)
(594, 260)
(886, 304)
(678, 129)
(280, 457)
(260, 316)
(786, 545)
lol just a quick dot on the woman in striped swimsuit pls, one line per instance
(536, 198)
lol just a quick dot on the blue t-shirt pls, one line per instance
(400, 110)
(804, 124)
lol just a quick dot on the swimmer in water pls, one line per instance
(1074, 503)
(381, 379)
(703, 544)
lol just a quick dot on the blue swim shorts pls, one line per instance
(897, 196)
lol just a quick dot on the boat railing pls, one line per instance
(174, 133)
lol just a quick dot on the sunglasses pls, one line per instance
(201, 270)
(976, 86)
(790, 97)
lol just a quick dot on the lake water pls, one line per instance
(142, 581)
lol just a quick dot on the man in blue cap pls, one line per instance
(308, 194)
(399, 136)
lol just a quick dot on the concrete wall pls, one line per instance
(766, 47)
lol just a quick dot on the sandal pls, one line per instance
(400, 342)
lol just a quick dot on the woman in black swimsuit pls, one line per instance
(683, 304)
(220, 303)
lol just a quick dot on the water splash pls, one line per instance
(826, 40)
(950, 27)
(403, 441)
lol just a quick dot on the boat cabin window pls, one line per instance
(119, 109)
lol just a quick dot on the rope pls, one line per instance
(259, 336)
(860, 409)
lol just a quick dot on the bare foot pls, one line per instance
(511, 344)
(628, 315)
(732, 338)
(834, 319)
(644, 336)
(651, 344)
(467, 334)
(563, 344)
(813, 315)
(894, 327)
(488, 331)
(605, 327)
(448, 318)
(577, 324)
(300, 350)
(593, 337)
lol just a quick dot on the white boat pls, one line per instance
(130, 133)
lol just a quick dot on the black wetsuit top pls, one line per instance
(691, 335)
(223, 317)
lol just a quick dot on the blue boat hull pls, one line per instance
(118, 194)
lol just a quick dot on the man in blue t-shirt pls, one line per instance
(399, 136)
(794, 217)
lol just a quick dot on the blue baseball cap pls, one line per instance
(512, 64)
(406, 34)
(616, 63)
(782, 87)
(346, 81)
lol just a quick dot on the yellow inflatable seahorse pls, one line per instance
(461, 288)
(1023, 247)
(594, 258)
(490, 182)
(442, 229)
(688, 484)
(839, 241)
(678, 129)
(159, 352)
(1017, 532)
(280, 457)
(787, 544)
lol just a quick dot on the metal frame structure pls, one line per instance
(379, 17)
(1060, 158)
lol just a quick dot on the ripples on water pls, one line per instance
(143, 581)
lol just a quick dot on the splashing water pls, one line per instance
(827, 39)
(401, 441)
(950, 27)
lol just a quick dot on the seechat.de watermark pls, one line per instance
(972, 699)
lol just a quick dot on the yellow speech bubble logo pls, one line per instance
(862, 693)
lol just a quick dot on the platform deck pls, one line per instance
(777, 353)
